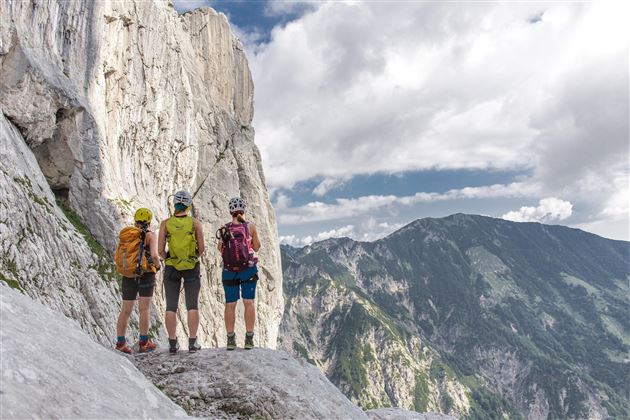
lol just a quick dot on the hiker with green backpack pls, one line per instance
(184, 237)
(137, 261)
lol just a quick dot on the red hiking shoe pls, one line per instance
(124, 347)
(146, 346)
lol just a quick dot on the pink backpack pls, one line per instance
(237, 252)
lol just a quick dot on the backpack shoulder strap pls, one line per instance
(141, 253)
(167, 226)
(247, 229)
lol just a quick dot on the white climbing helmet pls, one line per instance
(182, 197)
(237, 204)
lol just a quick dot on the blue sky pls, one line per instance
(370, 115)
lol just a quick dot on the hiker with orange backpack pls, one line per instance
(184, 236)
(137, 261)
(238, 242)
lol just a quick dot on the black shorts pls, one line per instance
(173, 283)
(144, 286)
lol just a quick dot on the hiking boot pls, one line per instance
(249, 341)
(123, 347)
(231, 341)
(146, 346)
(193, 346)
(173, 346)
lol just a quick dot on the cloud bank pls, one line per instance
(534, 87)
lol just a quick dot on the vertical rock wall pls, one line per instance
(124, 102)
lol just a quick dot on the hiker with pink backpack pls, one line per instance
(238, 243)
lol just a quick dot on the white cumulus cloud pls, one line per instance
(368, 230)
(548, 210)
(326, 185)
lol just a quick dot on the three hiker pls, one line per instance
(137, 259)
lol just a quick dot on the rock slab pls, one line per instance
(52, 369)
(402, 414)
(239, 384)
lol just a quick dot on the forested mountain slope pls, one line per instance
(468, 315)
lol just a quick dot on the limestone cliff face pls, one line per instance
(113, 106)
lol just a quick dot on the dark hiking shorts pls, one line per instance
(242, 283)
(173, 283)
(144, 286)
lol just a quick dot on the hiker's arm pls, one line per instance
(154, 249)
(255, 240)
(201, 244)
(161, 248)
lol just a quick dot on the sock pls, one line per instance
(192, 341)
(121, 339)
(144, 338)
(231, 334)
(250, 333)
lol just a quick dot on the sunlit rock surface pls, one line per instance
(52, 369)
(258, 383)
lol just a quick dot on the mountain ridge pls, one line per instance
(458, 215)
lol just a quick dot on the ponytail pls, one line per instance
(239, 216)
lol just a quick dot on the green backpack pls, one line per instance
(182, 243)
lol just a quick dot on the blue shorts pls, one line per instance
(246, 288)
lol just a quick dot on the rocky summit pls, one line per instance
(52, 369)
(401, 414)
(258, 383)
(467, 315)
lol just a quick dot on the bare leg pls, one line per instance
(144, 306)
(123, 317)
(193, 323)
(170, 319)
(250, 314)
(230, 316)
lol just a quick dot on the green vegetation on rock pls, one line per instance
(104, 267)
(25, 182)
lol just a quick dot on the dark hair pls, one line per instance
(180, 207)
(143, 225)
(239, 216)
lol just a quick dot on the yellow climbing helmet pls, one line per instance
(143, 215)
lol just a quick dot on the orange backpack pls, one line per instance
(131, 258)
